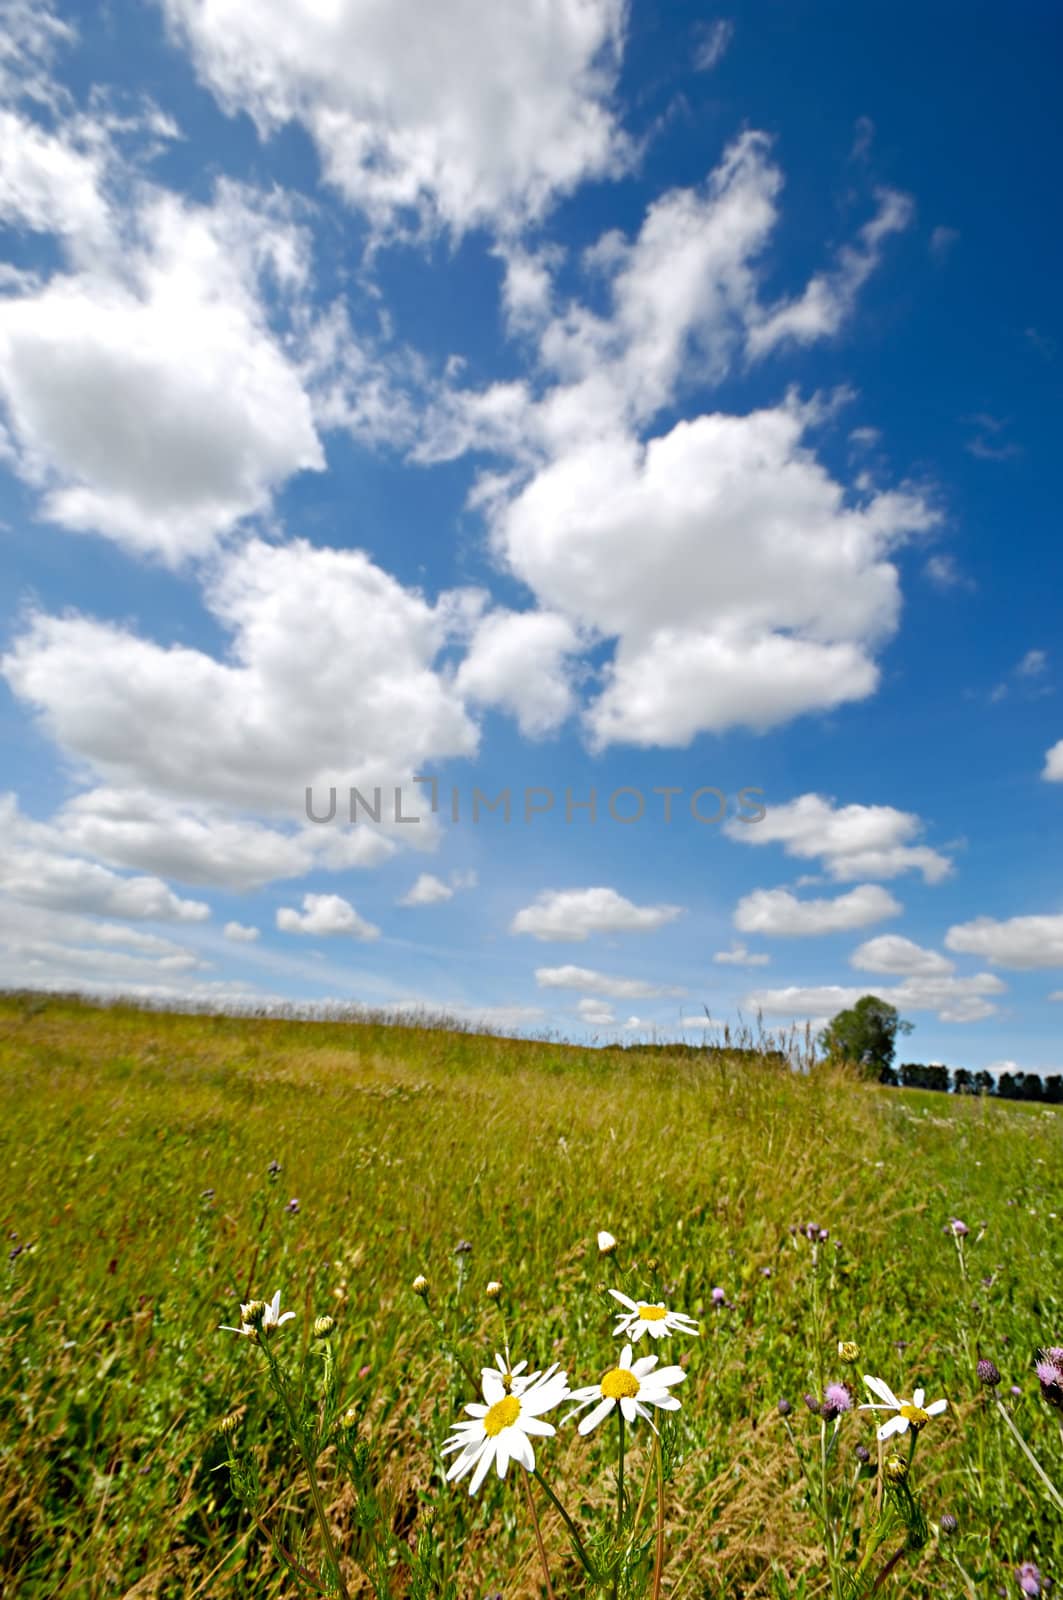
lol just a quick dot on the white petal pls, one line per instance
(937, 1408)
(482, 1467)
(535, 1425)
(624, 1299)
(668, 1375)
(592, 1419)
(894, 1425)
(625, 1357)
(883, 1391)
(918, 1397)
(502, 1445)
(628, 1407)
(494, 1388)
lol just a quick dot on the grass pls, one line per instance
(399, 1143)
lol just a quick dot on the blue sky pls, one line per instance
(567, 397)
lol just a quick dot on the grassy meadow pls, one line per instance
(140, 1210)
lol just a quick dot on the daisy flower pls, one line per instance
(633, 1386)
(258, 1315)
(502, 1427)
(656, 1320)
(514, 1379)
(910, 1413)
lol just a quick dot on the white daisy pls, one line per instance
(502, 1428)
(656, 1320)
(259, 1314)
(910, 1413)
(514, 1379)
(633, 1386)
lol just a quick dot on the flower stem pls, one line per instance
(569, 1524)
(315, 1492)
(1028, 1453)
(538, 1530)
(659, 1565)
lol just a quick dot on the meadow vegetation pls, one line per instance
(157, 1171)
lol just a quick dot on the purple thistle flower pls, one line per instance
(719, 1296)
(1029, 1578)
(1050, 1377)
(813, 1404)
(836, 1399)
(862, 1454)
(274, 1169)
(765, 1272)
(949, 1523)
(823, 1235)
(1015, 1389)
(785, 1408)
(988, 1373)
(292, 1207)
(959, 1229)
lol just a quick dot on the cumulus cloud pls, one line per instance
(428, 890)
(1022, 943)
(324, 915)
(1053, 768)
(596, 1013)
(854, 841)
(475, 114)
(777, 911)
(602, 983)
(253, 729)
(239, 933)
(574, 914)
(520, 662)
(739, 956)
(953, 999)
(891, 952)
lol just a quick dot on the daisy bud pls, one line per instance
(323, 1326)
(606, 1244)
(988, 1373)
(420, 1286)
(228, 1425)
(949, 1524)
(848, 1351)
(896, 1469)
(493, 1290)
(349, 1419)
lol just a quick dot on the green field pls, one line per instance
(139, 1211)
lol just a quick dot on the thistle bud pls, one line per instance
(420, 1286)
(988, 1373)
(785, 1408)
(323, 1326)
(949, 1523)
(862, 1454)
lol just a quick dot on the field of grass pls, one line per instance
(140, 1211)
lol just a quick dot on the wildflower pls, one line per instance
(1029, 1578)
(462, 1247)
(274, 1169)
(633, 1386)
(493, 1290)
(228, 1425)
(514, 1379)
(323, 1326)
(848, 1351)
(959, 1229)
(949, 1523)
(606, 1243)
(836, 1399)
(785, 1408)
(656, 1320)
(910, 1413)
(292, 1207)
(896, 1469)
(988, 1373)
(765, 1272)
(259, 1316)
(862, 1454)
(503, 1425)
(420, 1286)
(1050, 1376)
(719, 1296)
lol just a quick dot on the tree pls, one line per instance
(865, 1034)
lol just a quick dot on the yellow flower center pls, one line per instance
(916, 1415)
(503, 1414)
(620, 1384)
(652, 1313)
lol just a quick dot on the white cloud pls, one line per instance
(854, 841)
(1053, 768)
(1022, 943)
(891, 952)
(1033, 664)
(147, 397)
(518, 661)
(427, 891)
(278, 713)
(49, 185)
(596, 1013)
(944, 573)
(712, 40)
(829, 298)
(953, 999)
(239, 933)
(602, 983)
(942, 241)
(36, 870)
(574, 914)
(739, 956)
(323, 915)
(777, 911)
(467, 114)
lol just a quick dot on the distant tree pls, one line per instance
(1008, 1085)
(913, 1074)
(888, 1075)
(937, 1077)
(962, 1081)
(865, 1034)
(1054, 1089)
(1032, 1087)
(983, 1083)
